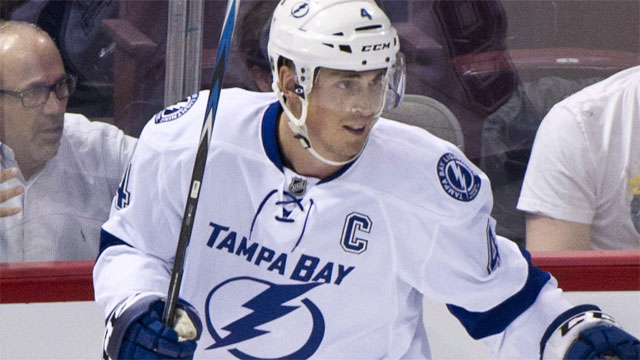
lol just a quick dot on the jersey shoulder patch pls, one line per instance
(175, 111)
(457, 178)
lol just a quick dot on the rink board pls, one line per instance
(47, 312)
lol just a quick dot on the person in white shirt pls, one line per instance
(59, 171)
(321, 227)
(582, 185)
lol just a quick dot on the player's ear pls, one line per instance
(287, 77)
(287, 81)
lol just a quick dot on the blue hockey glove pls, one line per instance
(135, 330)
(584, 332)
(595, 342)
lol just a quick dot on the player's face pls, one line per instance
(343, 106)
(32, 132)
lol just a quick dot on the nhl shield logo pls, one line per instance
(298, 186)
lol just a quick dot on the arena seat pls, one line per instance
(431, 115)
(532, 64)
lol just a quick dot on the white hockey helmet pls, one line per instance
(350, 35)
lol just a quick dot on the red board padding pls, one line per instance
(610, 270)
(46, 282)
(594, 270)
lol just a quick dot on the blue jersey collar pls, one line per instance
(270, 140)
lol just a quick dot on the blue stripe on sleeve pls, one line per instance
(482, 324)
(107, 240)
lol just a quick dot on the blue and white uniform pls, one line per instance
(286, 266)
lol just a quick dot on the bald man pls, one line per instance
(58, 171)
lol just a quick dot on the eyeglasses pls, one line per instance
(38, 95)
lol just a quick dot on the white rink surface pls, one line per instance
(73, 330)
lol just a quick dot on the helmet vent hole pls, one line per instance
(329, 45)
(345, 48)
(369, 27)
(387, 59)
(364, 62)
(338, 34)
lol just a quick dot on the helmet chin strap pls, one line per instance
(299, 128)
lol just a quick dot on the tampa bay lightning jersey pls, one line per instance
(281, 265)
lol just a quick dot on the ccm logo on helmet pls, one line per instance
(376, 47)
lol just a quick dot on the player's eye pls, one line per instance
(345, 84)
(377, 82)
(350, 85)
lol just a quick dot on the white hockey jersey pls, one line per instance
(285, 266)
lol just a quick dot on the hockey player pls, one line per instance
(321, 227)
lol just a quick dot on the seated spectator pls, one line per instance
(76, 28)
(581, 187)
(507, 138)
(58, 171)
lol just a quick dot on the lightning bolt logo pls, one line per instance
(300, 9)
(457, 173)
(457, 179)
(266, 307)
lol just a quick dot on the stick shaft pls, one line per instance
(201, 159)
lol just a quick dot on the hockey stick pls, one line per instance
(201, 159)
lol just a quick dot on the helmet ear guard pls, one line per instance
(296, 122)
